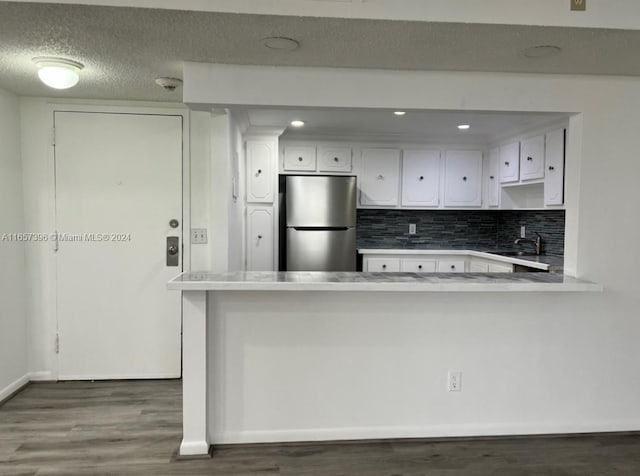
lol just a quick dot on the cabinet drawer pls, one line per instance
(334, 159)
(377, 265)
(300, 158)
(418, 265)
(478, 267)
(450, 266)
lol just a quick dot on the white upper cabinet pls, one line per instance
(510, 162)
(334, 159)
(260, 170)
(420, 178)
(300, 158)
(493, 179)
(379, 177)
(463, 178)
(532, 158)
(554, 176)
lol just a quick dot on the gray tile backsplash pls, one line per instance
(459, 229)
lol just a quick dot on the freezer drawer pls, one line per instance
(321, 250)
(314, 201)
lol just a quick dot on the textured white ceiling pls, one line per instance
(125, 49)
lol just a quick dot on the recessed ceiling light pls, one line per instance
(280, 43)
(399, 113)
(297, 123)
(58, 73)
(541, 51)
(463, 127)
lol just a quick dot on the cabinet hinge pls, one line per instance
(57, 343)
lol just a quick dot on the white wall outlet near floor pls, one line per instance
(198, 236)
(523, 231)
(412, 228)
(455, 381)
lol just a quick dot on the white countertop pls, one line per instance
(543, 262)
(379, 282)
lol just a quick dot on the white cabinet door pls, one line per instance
(532, 158)
(420, 178)
(500, 268)
(380, 265)
(260, 238)
(300, 158)
(260, 170)
(510, 162)
(379, 177)
(463, 178)
(493, 179)
(554, 175)
(334, 159)
(478, 266)
(450, 266)
(418, 265)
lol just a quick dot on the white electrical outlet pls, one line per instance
(198, 236)
(412, 228)
(523, 231)
(455, 381)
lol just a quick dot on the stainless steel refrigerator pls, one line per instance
(320, 223)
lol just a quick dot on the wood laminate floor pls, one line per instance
(119, 428)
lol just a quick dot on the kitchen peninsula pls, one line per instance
(340, 307)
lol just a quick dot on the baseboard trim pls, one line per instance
(13, 388)
(42, 376)
(436, 432)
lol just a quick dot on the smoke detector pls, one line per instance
(169, 84)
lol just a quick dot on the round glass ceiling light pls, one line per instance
(297, 123)
(58, 73)
(541, 51)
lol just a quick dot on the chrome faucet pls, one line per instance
(537, 242)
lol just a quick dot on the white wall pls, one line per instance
(236, 205)
(13, 323)
(531, 362)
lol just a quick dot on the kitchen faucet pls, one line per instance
(537, 242)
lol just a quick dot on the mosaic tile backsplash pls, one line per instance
(459, 229)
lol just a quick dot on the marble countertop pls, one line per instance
(379, 282)
(544, 262)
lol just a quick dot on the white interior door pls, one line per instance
(118, 186)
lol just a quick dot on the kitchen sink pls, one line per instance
(513, 253)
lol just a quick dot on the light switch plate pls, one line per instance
(412, 228)
(578, 5)
(198, 236)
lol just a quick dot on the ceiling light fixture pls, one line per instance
(399, 113)
(541, 51)
(297, 123)
(58, 73)
(463, 127)
(169, 84)
(280, 43)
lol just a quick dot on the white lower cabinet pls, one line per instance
(478, 266)
(378, 265)
(500, 267)
(413, 265)
(483, 265)
(451, 266)
(260, 254)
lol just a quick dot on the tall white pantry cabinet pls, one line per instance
(261, 154)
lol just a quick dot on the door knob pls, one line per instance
(173, 251)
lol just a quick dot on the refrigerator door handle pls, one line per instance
(320, 228)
